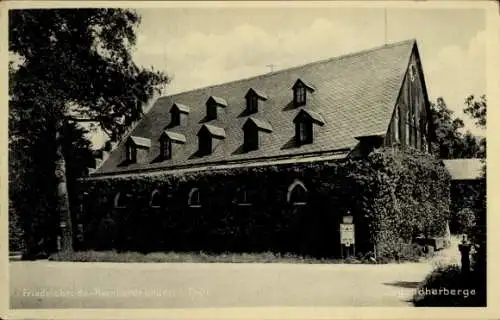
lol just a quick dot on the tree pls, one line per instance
(76, 66)
(451, 142)
(476, 109)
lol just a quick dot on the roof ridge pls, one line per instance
(343, 56)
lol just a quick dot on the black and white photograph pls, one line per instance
(247, 155)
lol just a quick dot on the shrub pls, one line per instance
(165, 257)
(389, 205)
(465, 220)
(446, 286)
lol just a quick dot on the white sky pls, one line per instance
(205, 46)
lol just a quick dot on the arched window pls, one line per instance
(155, 200)
(120, 200)
(194, 200)
(297, 193)
(243, 197)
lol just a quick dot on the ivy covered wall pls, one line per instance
(393, 196)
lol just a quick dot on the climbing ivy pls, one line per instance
(393, 196)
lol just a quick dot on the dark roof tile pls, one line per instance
(355, 94)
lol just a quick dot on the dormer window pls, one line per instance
(252, 129)
(208, 137)
(304, 126)
(300, 96)
(254, 98)
(136, 149)
(213, 105)
(251, 139)
(168, 142)
(252, 104)
(304, 132)
(300, 89)
(131, 153)
(178, 114)
(166, 149)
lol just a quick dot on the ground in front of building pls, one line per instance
(48, 284)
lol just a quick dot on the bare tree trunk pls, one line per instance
(62, 205)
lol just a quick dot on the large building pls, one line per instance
(329, 110)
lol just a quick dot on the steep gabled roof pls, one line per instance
(261, 124)
(140, 141)
(218, 100)
(302, 83)
(213, 131)
(174, 136)
(314, 116)
(256, 92)
(180, 107)
(355, 94)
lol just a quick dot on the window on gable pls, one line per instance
(297, 193)
(304, 132)
(120, 201)
(166, 149)
(299, 96)
(194, 200)
(131, 153)
(423, 132)
(155, 201)
(407, 126)
(413, 72)
(397, 125)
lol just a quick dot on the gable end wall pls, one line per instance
(411, 98)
